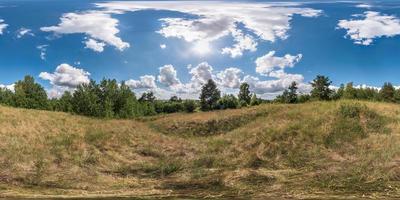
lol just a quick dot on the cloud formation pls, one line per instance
(8, 87)
(3, 26)
(98, 26)
(145, 82)
(94, 45)
(230, 77)
(268, 63)
(43, 51)
(168, 76)
(24, 32)
(243, 43)
(214, 20)
(369, 26)
(66, 75)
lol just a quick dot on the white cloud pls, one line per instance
(3, 26)
(230, 77)
(168, 76)
(95, 45)
(96, 25)
(269, 62)
(201, 73)
(367, 6)
(371, 25)
(243, 43)
(145, 82)
(8, 87)
(214, 20)
(163, 46)
(273, 86)
(66, 76)
(24, 32)
(204, 29)
(43, 51)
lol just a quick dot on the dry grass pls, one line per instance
(313, 150)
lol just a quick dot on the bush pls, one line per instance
(189, 106)
(228, 102)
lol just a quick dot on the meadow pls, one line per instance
(335, 149)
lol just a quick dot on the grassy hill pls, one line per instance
(313, 150)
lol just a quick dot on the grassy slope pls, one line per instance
(309, 150)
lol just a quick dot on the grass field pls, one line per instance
(315, 150)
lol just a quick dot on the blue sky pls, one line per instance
(172, 47)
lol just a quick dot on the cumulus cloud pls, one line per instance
(24, 32)
(201, 73)
(214, 20)
(230, 77)
(99, 26)
(8, 87)
(243, 43)
(94, 45)
(269, 62)
(3, 26)
(145, 82)
(369, 26)
(205, 29)
(66, 76)
(168, 76)
(163, 46)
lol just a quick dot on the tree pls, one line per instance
(86, 99)
(175, 99)
(147, 97)
(29, 94)
(189, 106)
(350, 92)
(254, 100)
(387, 93)
(7, 97)
(289, 95)
(292, 93)
(65, 102)
(209, 96)
(126, 105)
(244, 93)
(321, 90)
(228, 102)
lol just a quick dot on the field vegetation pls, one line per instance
(313, 150)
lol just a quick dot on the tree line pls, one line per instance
(321, 91)
(110, 99)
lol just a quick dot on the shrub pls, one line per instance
(228, 102)
(189, 106)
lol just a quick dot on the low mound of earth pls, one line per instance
(315, 150)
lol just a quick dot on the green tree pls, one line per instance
(209, 96)
(147, 97)
(321, 90)
(86, 100)
(387, 93)
(126, 105)
(29, 94)
(189, 105)
(7, 97)
(350, 92)
(228, 102)
(292, 93)
(65, 102)
(254, 100)
(244, 93)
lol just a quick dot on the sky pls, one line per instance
(173, 47)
